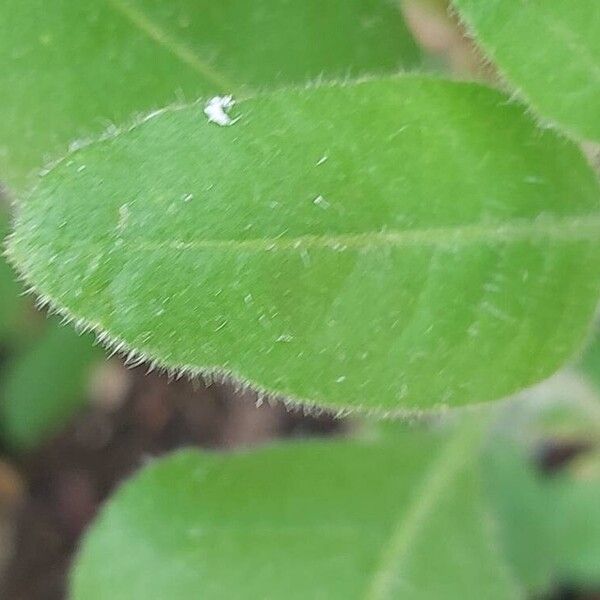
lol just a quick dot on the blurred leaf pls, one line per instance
(10, 298)
(70, 68)
(543, 478)
(44, 386)
(314, 520)
(316, 251)
(550, 51)
(413, 513)
(590, 362)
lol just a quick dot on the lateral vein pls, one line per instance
(161, 37)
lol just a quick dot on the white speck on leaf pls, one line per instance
(123, 217)
(188, 197)
(534, 179)
(73, 146)
(285, 337)
(322, 160)
(217, 108)
(320, 201)
(305, 257)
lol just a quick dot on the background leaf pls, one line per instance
(46, 367)
(315, 520)
(590, 361)
(550, 51)
(45, 384)
(549, 517)
(316, 250)
(10, 299)
(494, 508)
(70, 68)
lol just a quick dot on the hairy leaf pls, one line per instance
(388, 244)
(550, 51)
(314, 520)
(70, 68)
(44, 385)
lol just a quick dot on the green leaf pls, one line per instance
(70, 68)
(389, 244)
(590, 361)
(43, 386)
(550, 51)
(548, 522)
(10, 291)
(538, 513)
(385, 519)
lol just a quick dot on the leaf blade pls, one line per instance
(73, 68)
(542, 461)
(511, 266)
(549, 51)
(10, 301)
(320, 508)
(44, 385)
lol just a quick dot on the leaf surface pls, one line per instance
(541, 472)
(10, 300)
(590, 361)
(550, 51)
(71, 68)
(390, 244)
(347, 520)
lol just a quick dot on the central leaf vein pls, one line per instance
(452, 459)
(581, 228)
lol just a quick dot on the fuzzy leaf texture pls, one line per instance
(391, 244)
(338, 520)
(70, 67)
(549, 51)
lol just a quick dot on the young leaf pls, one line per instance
(338, 520)
(69, 68)
(388, 244)
(44, 386)
(550, 51)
